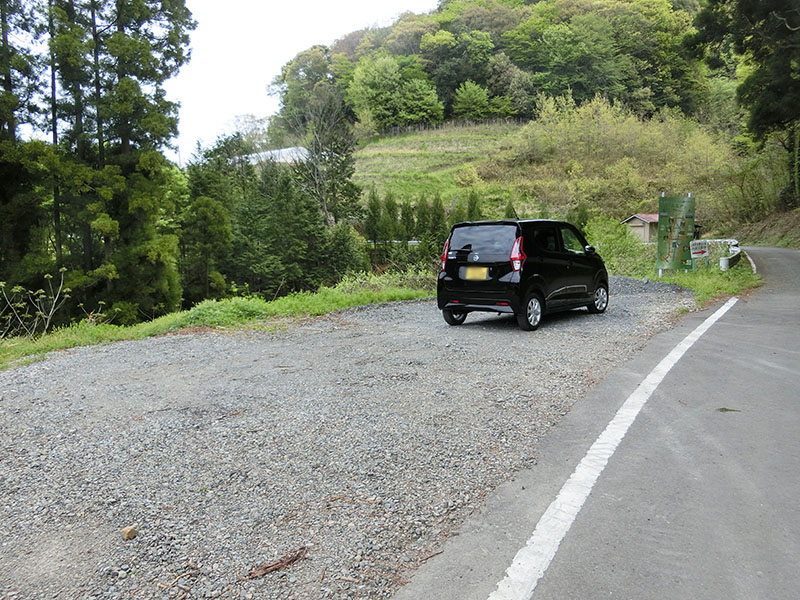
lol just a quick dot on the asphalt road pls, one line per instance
(700, 500)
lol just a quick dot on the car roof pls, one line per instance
(506, 222)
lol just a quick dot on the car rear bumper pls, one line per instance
(497, 307)
(455, 296)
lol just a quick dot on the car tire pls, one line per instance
(599, 302)
(454, 317)
(532, 311)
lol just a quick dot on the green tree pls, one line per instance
(205, 241)
(501, 107)
(280, 236)
(147, 42)
(649, 37)
(23, 217)
(295, 86)
(390, 218)
(437, 223)
(423, 218)
(580, 56)
(23, 165)
(346, 253)
(492, 16)
(373, 91)
(19, 78)
(476, 49)
(458, 213)
(439, 46)
(373, 221)
(471, 101)
(631, 50)
(450, 60)
(408, 224)
(766, 33)
(406, 34)
(326, 173)
(419, 103)
(105, 182)
(388, 91)
(524, 44)
(474, 209)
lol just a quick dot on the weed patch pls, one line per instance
(250, 311)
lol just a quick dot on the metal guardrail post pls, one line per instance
(734, 254)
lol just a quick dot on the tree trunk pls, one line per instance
(54, 117)
(101, 150)
(124, 124)
(88, 261)
(10, 125)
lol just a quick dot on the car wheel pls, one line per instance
(600, 301)
(454, 317)
(531, 316)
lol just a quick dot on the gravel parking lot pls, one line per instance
(353, 444)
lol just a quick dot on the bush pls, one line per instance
(603, 155)
(421, 276)
(347, 252)
(125, 313)
(623, 252)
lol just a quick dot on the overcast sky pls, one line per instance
(239, 47)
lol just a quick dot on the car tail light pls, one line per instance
(517, 255)
(444, 253)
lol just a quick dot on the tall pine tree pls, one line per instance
(110, 119)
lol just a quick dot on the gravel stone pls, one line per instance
(367, 436)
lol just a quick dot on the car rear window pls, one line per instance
(484, 238)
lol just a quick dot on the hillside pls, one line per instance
(598, 159)
(444, 160)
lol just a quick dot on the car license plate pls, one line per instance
(476, 273)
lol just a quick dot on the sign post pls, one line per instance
(699, 249)
(675, 231)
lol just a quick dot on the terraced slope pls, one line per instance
(446, 161)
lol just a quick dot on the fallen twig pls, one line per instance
(164, 586)
(431, 556)
(281, 563)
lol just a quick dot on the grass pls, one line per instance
(439, 161)
(625, 255)
(230, 313)
(711, 284)
(355, 290)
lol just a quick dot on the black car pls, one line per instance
(525, 267)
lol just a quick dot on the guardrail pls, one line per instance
(734, 254)
(706, 248)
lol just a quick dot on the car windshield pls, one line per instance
(484, 238)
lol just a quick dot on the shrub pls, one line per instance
(602, 154)
(623, 252)
(347, 252)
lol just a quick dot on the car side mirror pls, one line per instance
(590, 250)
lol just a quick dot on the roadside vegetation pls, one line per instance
(709, 284)
(248, 312)
(623, 252)
(626, 255)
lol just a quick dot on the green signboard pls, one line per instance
(675, 231)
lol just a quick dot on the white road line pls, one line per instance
(531, 562)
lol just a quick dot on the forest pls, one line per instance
(98, 223)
